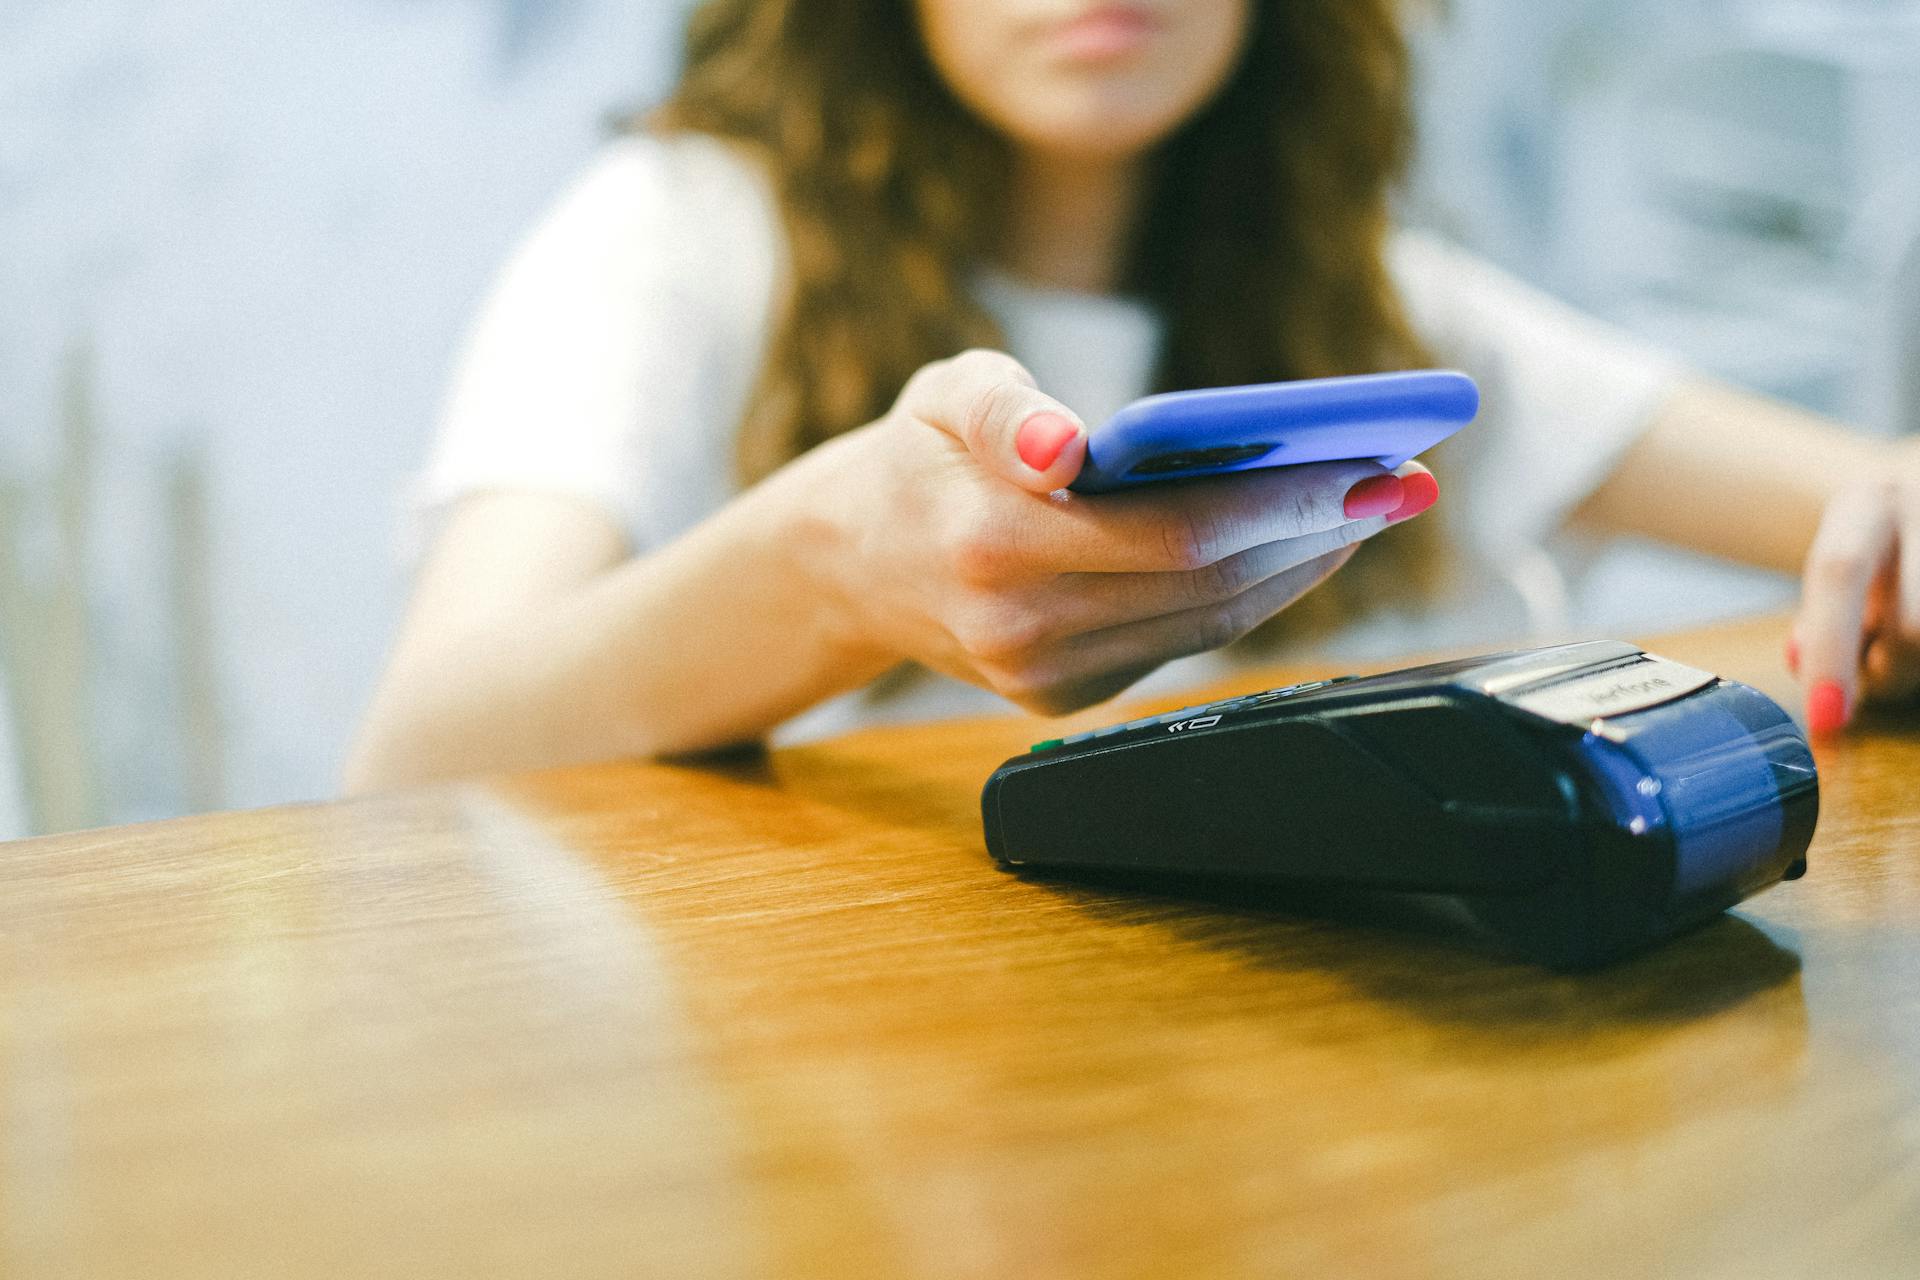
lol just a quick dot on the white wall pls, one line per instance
(1733, 179)
(250, 233)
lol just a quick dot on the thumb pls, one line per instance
(988, 402)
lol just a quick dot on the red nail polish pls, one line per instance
(1374, 496)
(1422, 491)
(1041, 438)
(1826, 707)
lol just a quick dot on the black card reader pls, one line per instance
(1573, 804)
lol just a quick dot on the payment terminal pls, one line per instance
(1570, 804)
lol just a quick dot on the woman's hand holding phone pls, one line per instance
(941, 534)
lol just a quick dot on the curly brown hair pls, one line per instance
(1261, 243)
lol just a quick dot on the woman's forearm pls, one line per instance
(1760, 482)
(1733, 474)
(709, 641)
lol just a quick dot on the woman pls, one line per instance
(712, 458)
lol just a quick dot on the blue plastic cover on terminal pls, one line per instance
(1713, 769)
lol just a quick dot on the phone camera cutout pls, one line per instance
(1225, 455)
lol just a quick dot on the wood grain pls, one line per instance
(782, 1017)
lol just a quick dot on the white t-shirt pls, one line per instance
(615, 355)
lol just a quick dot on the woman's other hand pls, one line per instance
(1857, 634)
(941, 534)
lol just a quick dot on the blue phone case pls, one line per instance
(1388, 417)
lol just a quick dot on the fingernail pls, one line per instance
(1042, 437)
(1374, 496)
(1422, 491)
(1826, 707)
(1793, 655)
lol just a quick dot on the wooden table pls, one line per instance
(782, 1017)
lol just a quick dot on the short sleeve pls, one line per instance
(1563, 393)
(612, 358)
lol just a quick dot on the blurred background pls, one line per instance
(238, 243)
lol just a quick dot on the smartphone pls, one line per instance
(1388, 417)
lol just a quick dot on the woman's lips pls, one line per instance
(1110, 31)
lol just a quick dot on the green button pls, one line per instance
(1048, 745)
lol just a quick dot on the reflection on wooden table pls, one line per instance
(782, 1017)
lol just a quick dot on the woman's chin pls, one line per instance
(1094, 135)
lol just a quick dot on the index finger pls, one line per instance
(1189, 525)
(1855, 539)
